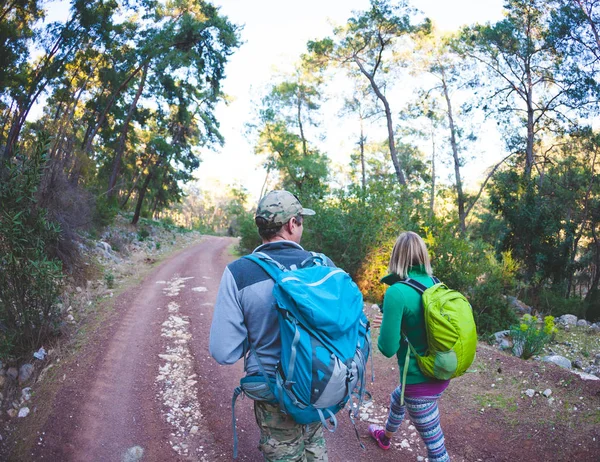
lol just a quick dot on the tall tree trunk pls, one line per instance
(141, 195)
(36, 88)
(593, 27)
(454, 145)
(390, 125)
(530, 124)
(432, 199)
(123, 137)
(300, 126)
(143, 190)
(135, 182)
(68, 116)
(90, 139)
(362, 156)
(154, 207)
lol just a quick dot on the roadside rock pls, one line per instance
(502, 339)
(26, 393)
(12, 373)
(593, 370)
(40, 354)
(23, 412)
(583, 323)
(518, 305)
(25, 372)
(586, 375)
(558, 360)
(567, 320)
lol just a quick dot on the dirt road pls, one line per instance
(148, 390)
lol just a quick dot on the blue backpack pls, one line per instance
(325, 344)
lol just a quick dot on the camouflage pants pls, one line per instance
(282, 439)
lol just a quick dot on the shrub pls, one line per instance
(357, 229)
(592, 306)
(553, 301)
(105, 212)
(249, 238)
(471, 267)
(29, 277)
(529, 339)
(119, 241)
(109, 278)
(142, 234)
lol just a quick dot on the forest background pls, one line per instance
(129, 91)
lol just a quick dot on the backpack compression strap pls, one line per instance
(419, 288)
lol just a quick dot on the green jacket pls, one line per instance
(403, 312)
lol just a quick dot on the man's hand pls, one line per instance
(376, 324)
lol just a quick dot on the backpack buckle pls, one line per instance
(289, 384)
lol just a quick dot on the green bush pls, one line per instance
(528, 338)
(142, 234)
(105, 212)
(553, 301)
(357, 228)
(592, 306)
(249, 238)
(29, 278)
(471, 267)
(109, 279)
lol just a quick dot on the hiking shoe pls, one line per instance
(378, 433)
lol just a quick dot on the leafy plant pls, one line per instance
(29, 278)
(529, 338)
(109, 278)
(142, 234)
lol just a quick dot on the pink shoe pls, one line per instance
(377, 433)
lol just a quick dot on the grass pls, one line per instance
(497, 401)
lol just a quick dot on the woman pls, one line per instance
(403, 314)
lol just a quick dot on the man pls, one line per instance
(245, 319)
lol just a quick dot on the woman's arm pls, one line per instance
(389, 335)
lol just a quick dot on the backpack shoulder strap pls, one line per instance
(272, 267)
(417, 285)
(414, 284)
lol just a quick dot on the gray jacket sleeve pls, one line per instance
(228, 334)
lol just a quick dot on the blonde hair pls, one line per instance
(409, 250)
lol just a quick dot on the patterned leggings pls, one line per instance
(425, 415)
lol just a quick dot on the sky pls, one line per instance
(274, 36)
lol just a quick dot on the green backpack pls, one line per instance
(451, 332)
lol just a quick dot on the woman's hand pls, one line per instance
(376, 324)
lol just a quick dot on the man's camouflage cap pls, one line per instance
(277, 207)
